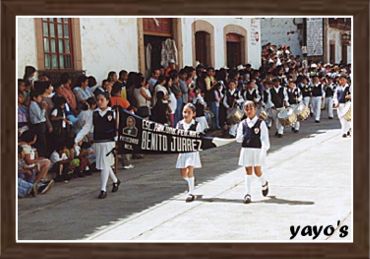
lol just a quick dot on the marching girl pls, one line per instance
(253, 134)
(104, 124)
(341, 96)
(295, 97)
(186, 162)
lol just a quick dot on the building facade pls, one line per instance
(97, 45)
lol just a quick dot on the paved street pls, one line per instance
(310, 184)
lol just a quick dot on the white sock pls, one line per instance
(262, 180)
(112, 175)
(247, 183)
(104, 175)
(187, 181)
(191, 185)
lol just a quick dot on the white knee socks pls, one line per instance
(190, 181)
(247, 183)
(104, 175)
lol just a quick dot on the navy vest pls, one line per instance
(231, 98)
(252, 136)
(306, 90)
(317, 90)
(193, 127)
(293, 95)
(329, 91)
(277, 98)
(342, 94)
(104, 127)
(250, 96)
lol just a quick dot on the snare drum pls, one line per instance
(302, 112)
(234, 115)
(287, 116)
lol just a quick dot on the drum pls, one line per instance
(302, 112)
(262, 114)
(287, 116)
(348, 115)
(234, 115)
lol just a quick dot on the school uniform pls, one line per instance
(306, 90)
(339, 99)
(277, 96)
(295, 97)
(231, 98)
(191, 158)
(329, 92)
(251, 95)
(253, 135)
(104, 133)
(317, 95)
(200, 105)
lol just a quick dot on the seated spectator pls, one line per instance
(82, 90)
(59, 90)
(61, 164)
(33, 161)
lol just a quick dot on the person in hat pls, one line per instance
(342, 99)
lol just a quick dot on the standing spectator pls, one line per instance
(29, 76)
(112, 77)
(38, 120)
(153, 79)
(144, 100)
(122, 78)
(67, 93)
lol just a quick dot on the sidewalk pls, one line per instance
(310, 184)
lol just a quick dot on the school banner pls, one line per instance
(144, 136)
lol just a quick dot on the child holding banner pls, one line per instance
(186, 162)
(104, 125)
(253, 134)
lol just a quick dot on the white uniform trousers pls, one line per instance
(329, 106)
(278, 126)
(345, 125)
(316, 107)
(306, 101)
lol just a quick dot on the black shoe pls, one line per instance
(348, 133)
(265, 189)
(330, 118)
(344, 135)
(317, 121)
(190, 198)
(45, 187)
(293, 129)
(279, 135)
(115, 185)
(102, 195)
(296, 131)
(276, 133)
(247, 198)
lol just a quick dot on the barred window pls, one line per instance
(57, 42)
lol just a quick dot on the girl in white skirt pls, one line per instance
(253, 134)
(186, 162)
(104, 125)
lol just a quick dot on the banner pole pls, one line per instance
(116, 142)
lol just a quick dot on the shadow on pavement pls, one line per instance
(271, 200)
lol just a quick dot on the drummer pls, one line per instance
(232, 98)
(251, 92)
(342, 96)
(295, 97)
(278, 98)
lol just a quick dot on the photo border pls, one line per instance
(360, 11)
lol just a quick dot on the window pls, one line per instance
(57, 43)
